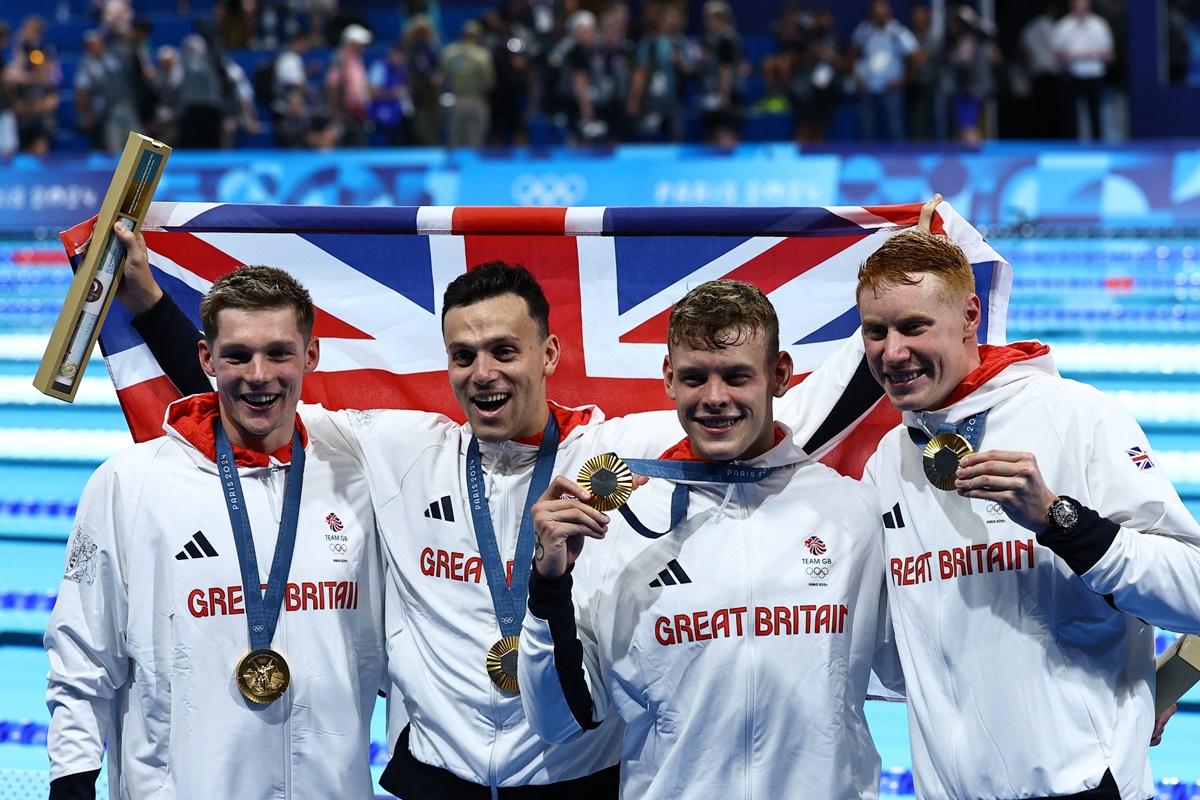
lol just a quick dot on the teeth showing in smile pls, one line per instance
(904, 377)
(260, 399)
(490, 402)
(719, 423)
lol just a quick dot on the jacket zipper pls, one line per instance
(743, 514)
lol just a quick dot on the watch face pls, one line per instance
(1064, 514)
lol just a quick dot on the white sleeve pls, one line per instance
(1144, 549)
(827, 401)
(645, 434)
(85, 640)
(562, 688)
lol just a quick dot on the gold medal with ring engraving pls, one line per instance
(941, 458)
(608, 479)
(502, 664)
(262, 676)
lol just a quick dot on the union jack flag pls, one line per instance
(1140, 458)
(611, 275)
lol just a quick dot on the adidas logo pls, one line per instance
(197, 547)
(441, 509)
(893, 518)
(670, 576)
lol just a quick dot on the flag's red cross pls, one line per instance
(335, 524)
(1140, 458)
(815, 546)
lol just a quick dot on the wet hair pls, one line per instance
(724, 313)
(494, 279)
(253, 289)
(908, 256)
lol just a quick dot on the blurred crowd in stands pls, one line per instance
(315, 74)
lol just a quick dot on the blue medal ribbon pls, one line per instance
(695, 471)
(509, 601)
(970, 429)
(262, 608)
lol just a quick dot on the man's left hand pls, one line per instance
(1011, 479)
(1160, 724)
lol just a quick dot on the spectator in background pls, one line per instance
(237, 23)
(1084, 44)
(790, 32)
(391, 105)
(168, 75)
(241, 112)
(91, 84)
(470, 76)
(511, 44)
(33, 76)
(303, 125)
(275, 77)
(201, 96)
(8, 121)
(971, 55)
(664, 61)
(615, 55)
(722, 70)
(927, 87)
(117, 85)
(346, 86)
(815, 85)
(424, 81)
(1044, 74)
(881, 50)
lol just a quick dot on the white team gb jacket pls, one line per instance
(1023, 679)
(150, 624)
(737, 648)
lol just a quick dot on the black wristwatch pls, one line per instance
(1063, 516)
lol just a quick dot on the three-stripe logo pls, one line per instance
(197, 547)
(893, 518)
(670, 576)
(441, 509)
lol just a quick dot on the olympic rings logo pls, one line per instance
(995, 509)
(549, 189)
(339, 548)
(817, 572)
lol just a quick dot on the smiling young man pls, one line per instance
(1024, 587)
(731, 618)
(163, 646)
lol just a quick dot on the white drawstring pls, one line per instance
(724, 503)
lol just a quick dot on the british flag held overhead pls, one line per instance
(611, 275)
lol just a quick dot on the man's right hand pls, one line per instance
(561, 520)
(137, 291)
(925, 220)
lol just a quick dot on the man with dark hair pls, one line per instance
(163, 645)
(749, 574)
(1046, 570)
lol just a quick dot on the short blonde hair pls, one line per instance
(908, 256)
(719, 314)
(257, 288)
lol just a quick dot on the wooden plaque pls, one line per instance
(91, 292)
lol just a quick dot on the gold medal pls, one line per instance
(502, 664)
(941, 458)
(262, 676)
(608, 479)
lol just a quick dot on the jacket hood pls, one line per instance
(190, 421)
(1002, 372)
